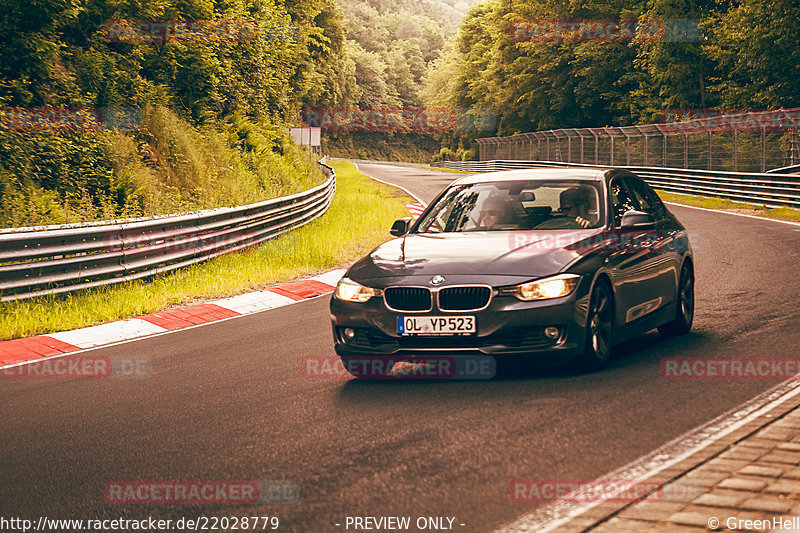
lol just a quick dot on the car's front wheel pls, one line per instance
(367, 367)
(599, 329)
(684, 314)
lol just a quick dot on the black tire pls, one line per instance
(367, 367)
(684, 312)
(599, 329)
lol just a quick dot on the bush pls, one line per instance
(468, 155)
(165, 166)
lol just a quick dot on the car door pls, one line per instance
(635, 260)
(662, 242)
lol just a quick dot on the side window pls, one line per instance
(647, 198)
(621, 200)
(661, 209)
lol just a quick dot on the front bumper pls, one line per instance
(507, 327)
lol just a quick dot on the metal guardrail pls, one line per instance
(792, 169)
(766, 189)
(55, 259)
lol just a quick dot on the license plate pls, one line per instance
(435, 325)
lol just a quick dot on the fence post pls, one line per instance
(569, 148)
(612, 150)
(627, 150)
(627, 147)
(685, 150)
(763, 149)
(735, 150)
(709, 150)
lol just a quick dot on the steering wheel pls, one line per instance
(559, 222)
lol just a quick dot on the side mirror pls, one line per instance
(637, 219)
(401, 227)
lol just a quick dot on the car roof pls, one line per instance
(588, 174)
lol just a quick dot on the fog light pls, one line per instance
(348, 334)
(552, 332)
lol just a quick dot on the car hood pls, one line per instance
(528, 254)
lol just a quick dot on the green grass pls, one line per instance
(778, 213)
(358, 219)
(442, 169)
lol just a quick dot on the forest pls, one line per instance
(743, 57)
(213, 108)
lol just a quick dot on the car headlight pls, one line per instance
(545, 289)
(350, 291)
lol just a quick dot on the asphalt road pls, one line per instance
(228, 401)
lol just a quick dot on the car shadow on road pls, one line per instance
(637, 357)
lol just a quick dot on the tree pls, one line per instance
(369, 69)
(755, 45)
(674, 70)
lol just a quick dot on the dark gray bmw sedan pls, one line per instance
(541, 263)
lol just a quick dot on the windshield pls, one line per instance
(516, 205)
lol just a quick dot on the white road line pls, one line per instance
(550, 517)
(414, 196)
(737, 214)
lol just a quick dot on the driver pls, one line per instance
(493, 212)
(575, 205)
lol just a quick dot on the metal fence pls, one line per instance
(761, 188)
(54, 259)
(740, 142)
